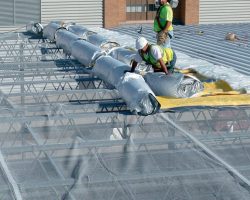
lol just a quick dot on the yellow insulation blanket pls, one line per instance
(217, 93)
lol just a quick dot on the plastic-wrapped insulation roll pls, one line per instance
(123, 54)
(109, 69)
(132, 87)
(49, 31)
(174, 85)
(85, 52)
(64, 40)
(137, 94)
(36, 28)
(80, 31)
(102, 42)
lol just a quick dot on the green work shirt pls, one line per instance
(165, 13)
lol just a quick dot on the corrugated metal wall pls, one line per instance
(83, 12)
(224, 11)
(16, 13)
(6, 12)
(27, 10)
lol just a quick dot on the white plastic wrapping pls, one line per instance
(174, 85)
(101, 41)
(132, 87)
(235, 79)
(193, 63)
(85, 52)
(125, 55)
(216, 72)
(79, 30)
(33, 27)
(64, 40)
(109, 69)
(49, 31)
(137, 94)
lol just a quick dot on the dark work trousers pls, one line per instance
(171, 65)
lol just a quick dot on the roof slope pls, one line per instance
(206, 42)
(65, 135)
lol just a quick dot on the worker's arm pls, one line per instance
(163, 66)
(168, 24)
(134, 64)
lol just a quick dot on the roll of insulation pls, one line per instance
(109, 69)
(85, 52)
(35, 28)
(65, 39)
(132, 87)
(49, 31)
(137, 94)
(123, 54)
(80, 31)
(102, 42)
(174, 85)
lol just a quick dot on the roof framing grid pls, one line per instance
(58, 133)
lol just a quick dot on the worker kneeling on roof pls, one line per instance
(162, 59)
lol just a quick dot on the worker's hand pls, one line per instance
(165, 33)
(161, 38)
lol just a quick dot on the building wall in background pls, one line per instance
(224, 11)
(140, 10)
(114, 12)
(109, 13)
(15, 13)
(189, 11)
(128, 11)
(83, 12)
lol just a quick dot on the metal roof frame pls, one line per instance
(49, 120)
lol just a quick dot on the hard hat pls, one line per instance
(174, 3)
(141, 42)
(157, 3)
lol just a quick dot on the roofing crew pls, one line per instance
(163, 23)
(162, 59)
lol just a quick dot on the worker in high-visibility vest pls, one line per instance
(163, 23)
(162, 59)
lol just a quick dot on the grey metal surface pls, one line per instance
(206, 42)
(224, 11)
(87, 12)
(16, 12)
